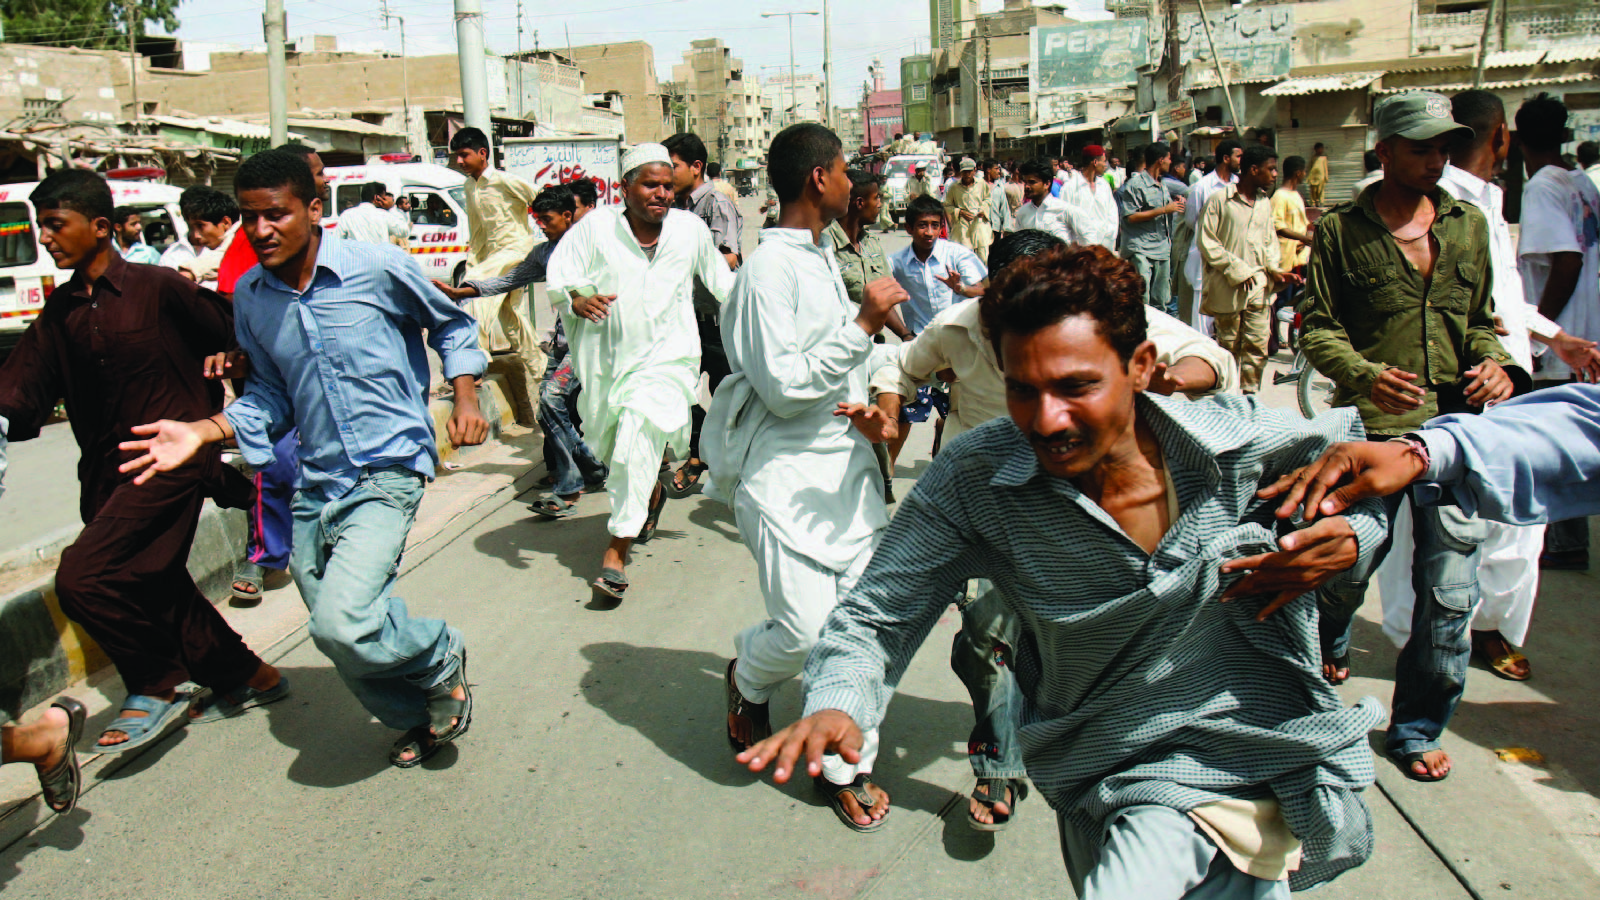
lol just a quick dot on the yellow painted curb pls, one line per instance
(83, 655)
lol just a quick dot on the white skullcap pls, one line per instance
(643, 155)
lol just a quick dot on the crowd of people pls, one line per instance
(1087, 340)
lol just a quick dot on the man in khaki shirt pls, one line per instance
(500, 237)
(1242, 267)
(966, 205)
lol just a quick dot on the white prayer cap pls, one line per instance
(643, 155)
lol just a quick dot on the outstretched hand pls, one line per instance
(1305, 562)
(170, 445)
(1344, 475)
(829, 731)
(228, 364)
(875, 424)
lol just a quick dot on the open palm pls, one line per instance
(169, 445)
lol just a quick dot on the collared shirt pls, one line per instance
(771, 438)
(721, 215)
(1370, 309)
(974, 233)
(1094, 210)
(1531, 459)
(1053, 215)
(344, 361)
(929, 295)
(1152, 238)
(1001, 219)
(1519, 317)
(1207, 185)
(644, 356)
(1289, 211)
(366, 222)
(859, 264)
(497, 213)
(1114, 711)
(1238, 244)
(140, 252)
(125, 350)
(955, 340)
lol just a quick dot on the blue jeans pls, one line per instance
(1157, 275)
(569, 459)
(345, 560)
(1431, 673)
(979, 658)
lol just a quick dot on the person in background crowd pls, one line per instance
(1176, 179)
(129, 228)
(1317, 174)
(1559, 250)
(1374, 167)
(966, 208)
(1041, 210)
(213, 220)
(369, 220)
(500, 235)
(1001, 220)
(1147, 215)
(714, 175)
(1294, 240)
(1093, 202)
(1224, 171)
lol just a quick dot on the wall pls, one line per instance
(630, 69)
(72, 84)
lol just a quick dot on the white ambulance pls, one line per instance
(438, 209)
(28, 275)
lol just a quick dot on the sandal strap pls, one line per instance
(857, 788)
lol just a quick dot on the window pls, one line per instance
(18, 245)
(919, 92)
(428, 208)
(159, 229)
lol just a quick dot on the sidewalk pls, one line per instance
(596, 766)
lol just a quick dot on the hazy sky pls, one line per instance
(887, 28)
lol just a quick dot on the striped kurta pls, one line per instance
(1139, 687)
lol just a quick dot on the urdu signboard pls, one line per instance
(1256, 40)
(1086, 55)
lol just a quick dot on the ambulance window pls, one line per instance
(159, 230)
(429, 208)
(346, 196)
(18, 245)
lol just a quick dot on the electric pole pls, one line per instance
(469, 56)
(277, 27)
(405, 75)
(1233, 112)
(827, 68)
(133, 60)
(790, 16)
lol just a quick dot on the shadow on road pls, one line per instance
(63, 833)
(336, 740)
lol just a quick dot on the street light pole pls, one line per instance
(405, 75)
(790, 16)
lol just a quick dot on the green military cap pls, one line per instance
(1418, 115)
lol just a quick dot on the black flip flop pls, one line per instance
(857, 789)
(555, 509)
(653, 518)
(1019, 793)
(612, 582)
(1405, 763)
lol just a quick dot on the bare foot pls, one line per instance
(983, 814)
(1434, 763)
(44, 742)
(854, 810)
(1334, 672)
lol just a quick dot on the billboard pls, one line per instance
(545, 161)
(1256, 40)
(1085, 55)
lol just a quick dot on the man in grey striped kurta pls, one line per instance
(1180, 741)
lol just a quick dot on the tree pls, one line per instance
(97, 24)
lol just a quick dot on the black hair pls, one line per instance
(1225, 150)
(121, 214)
(923, 205)
(469, 138)
(863, 182)
(298, 149)
(1588, 154)
(1039, 168)
(795, 153)
(988, 163)
(1036, 292)
(1370, 161)
(713, 170)
(78, 190)
(1293, 166)
(276, 169)
(1256, 155)
(1154, 152)
(557, 198)
(1017, 244)
(372, 190)
(1317, 146)
(584, 191)
(687, 146)
(208, 204)
(1542, 124)
(1479, 110)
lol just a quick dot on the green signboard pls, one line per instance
(1087, 55)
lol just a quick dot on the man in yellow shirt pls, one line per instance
(501, 234)
(1317, 178)
(966, 205)
(1294, 235)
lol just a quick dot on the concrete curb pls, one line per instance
(41, 652)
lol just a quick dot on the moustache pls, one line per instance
(1063, 436)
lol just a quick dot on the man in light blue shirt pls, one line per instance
(333, 332)
(937, 274)
(129, 226)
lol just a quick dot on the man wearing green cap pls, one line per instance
(1400, 319)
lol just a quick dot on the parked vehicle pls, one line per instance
(897, 174)
(440, 240)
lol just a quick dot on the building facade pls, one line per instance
(629, 70)
(916, 76)
(719, 104)
(800, 101)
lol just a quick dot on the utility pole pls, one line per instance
(469, 56)
(405, 74)
(1483, 44)
(790, 16)
(988, 86)
(827, 67)
(277, 27)
(1233, 113)
(133, 60)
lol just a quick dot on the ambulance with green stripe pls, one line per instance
(438, 195)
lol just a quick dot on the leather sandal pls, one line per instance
(857, 788)
(997, 790)
(61, 782)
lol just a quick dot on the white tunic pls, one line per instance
(771, 436)
(645, 354)
(1094, 210)
(1053, 215)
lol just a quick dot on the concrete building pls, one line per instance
(797, 102)
(629, 70)
(881, 111)
(950, 21)
(979, 88)
(916, 77)
(847, 125)
(719, 104)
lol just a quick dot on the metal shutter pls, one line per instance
(1345, 145)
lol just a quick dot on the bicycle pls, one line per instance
(1313, 390)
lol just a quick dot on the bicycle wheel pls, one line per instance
(1313, 389)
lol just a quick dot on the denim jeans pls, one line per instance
(979, 657)
(345, 560)
(569, 459)
(1157, 275)
(1431, 673)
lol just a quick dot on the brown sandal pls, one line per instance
(742, 711)
(857, 788)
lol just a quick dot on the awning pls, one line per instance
(1574, 53)
(1494, 85)
(1322, 84)
(1505, 59)
(1066, 128)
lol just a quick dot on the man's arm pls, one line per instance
(1323, 338)
(31, 381)
(202, 317)
(1481, 346)
(453, 334)
(715, 272)
(1565, 270)
(530, 270)
(1176, 342)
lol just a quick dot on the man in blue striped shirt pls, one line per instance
(333, 331)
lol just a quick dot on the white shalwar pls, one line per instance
(803, 483)
(640, 364)
(1193, 269)
(1508, 569)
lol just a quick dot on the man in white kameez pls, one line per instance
(623, 285)
(500, 235)
(1095, 216)
(1229, 155)
(789, 440)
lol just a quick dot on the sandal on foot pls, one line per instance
(653, 517)
(61, 782)
(1506, 665)
(857, 789)
(612, 582)
(1338, 662)
(740, 708)
(248, 581)
(687, 478)
(216, 707)
(422, 744)
(558, 508)
(449, 718)
(994, 790)
(159, 718)
(1411, 759)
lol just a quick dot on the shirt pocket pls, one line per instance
(1468, 275)
(360, 333)
(1378, 286)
